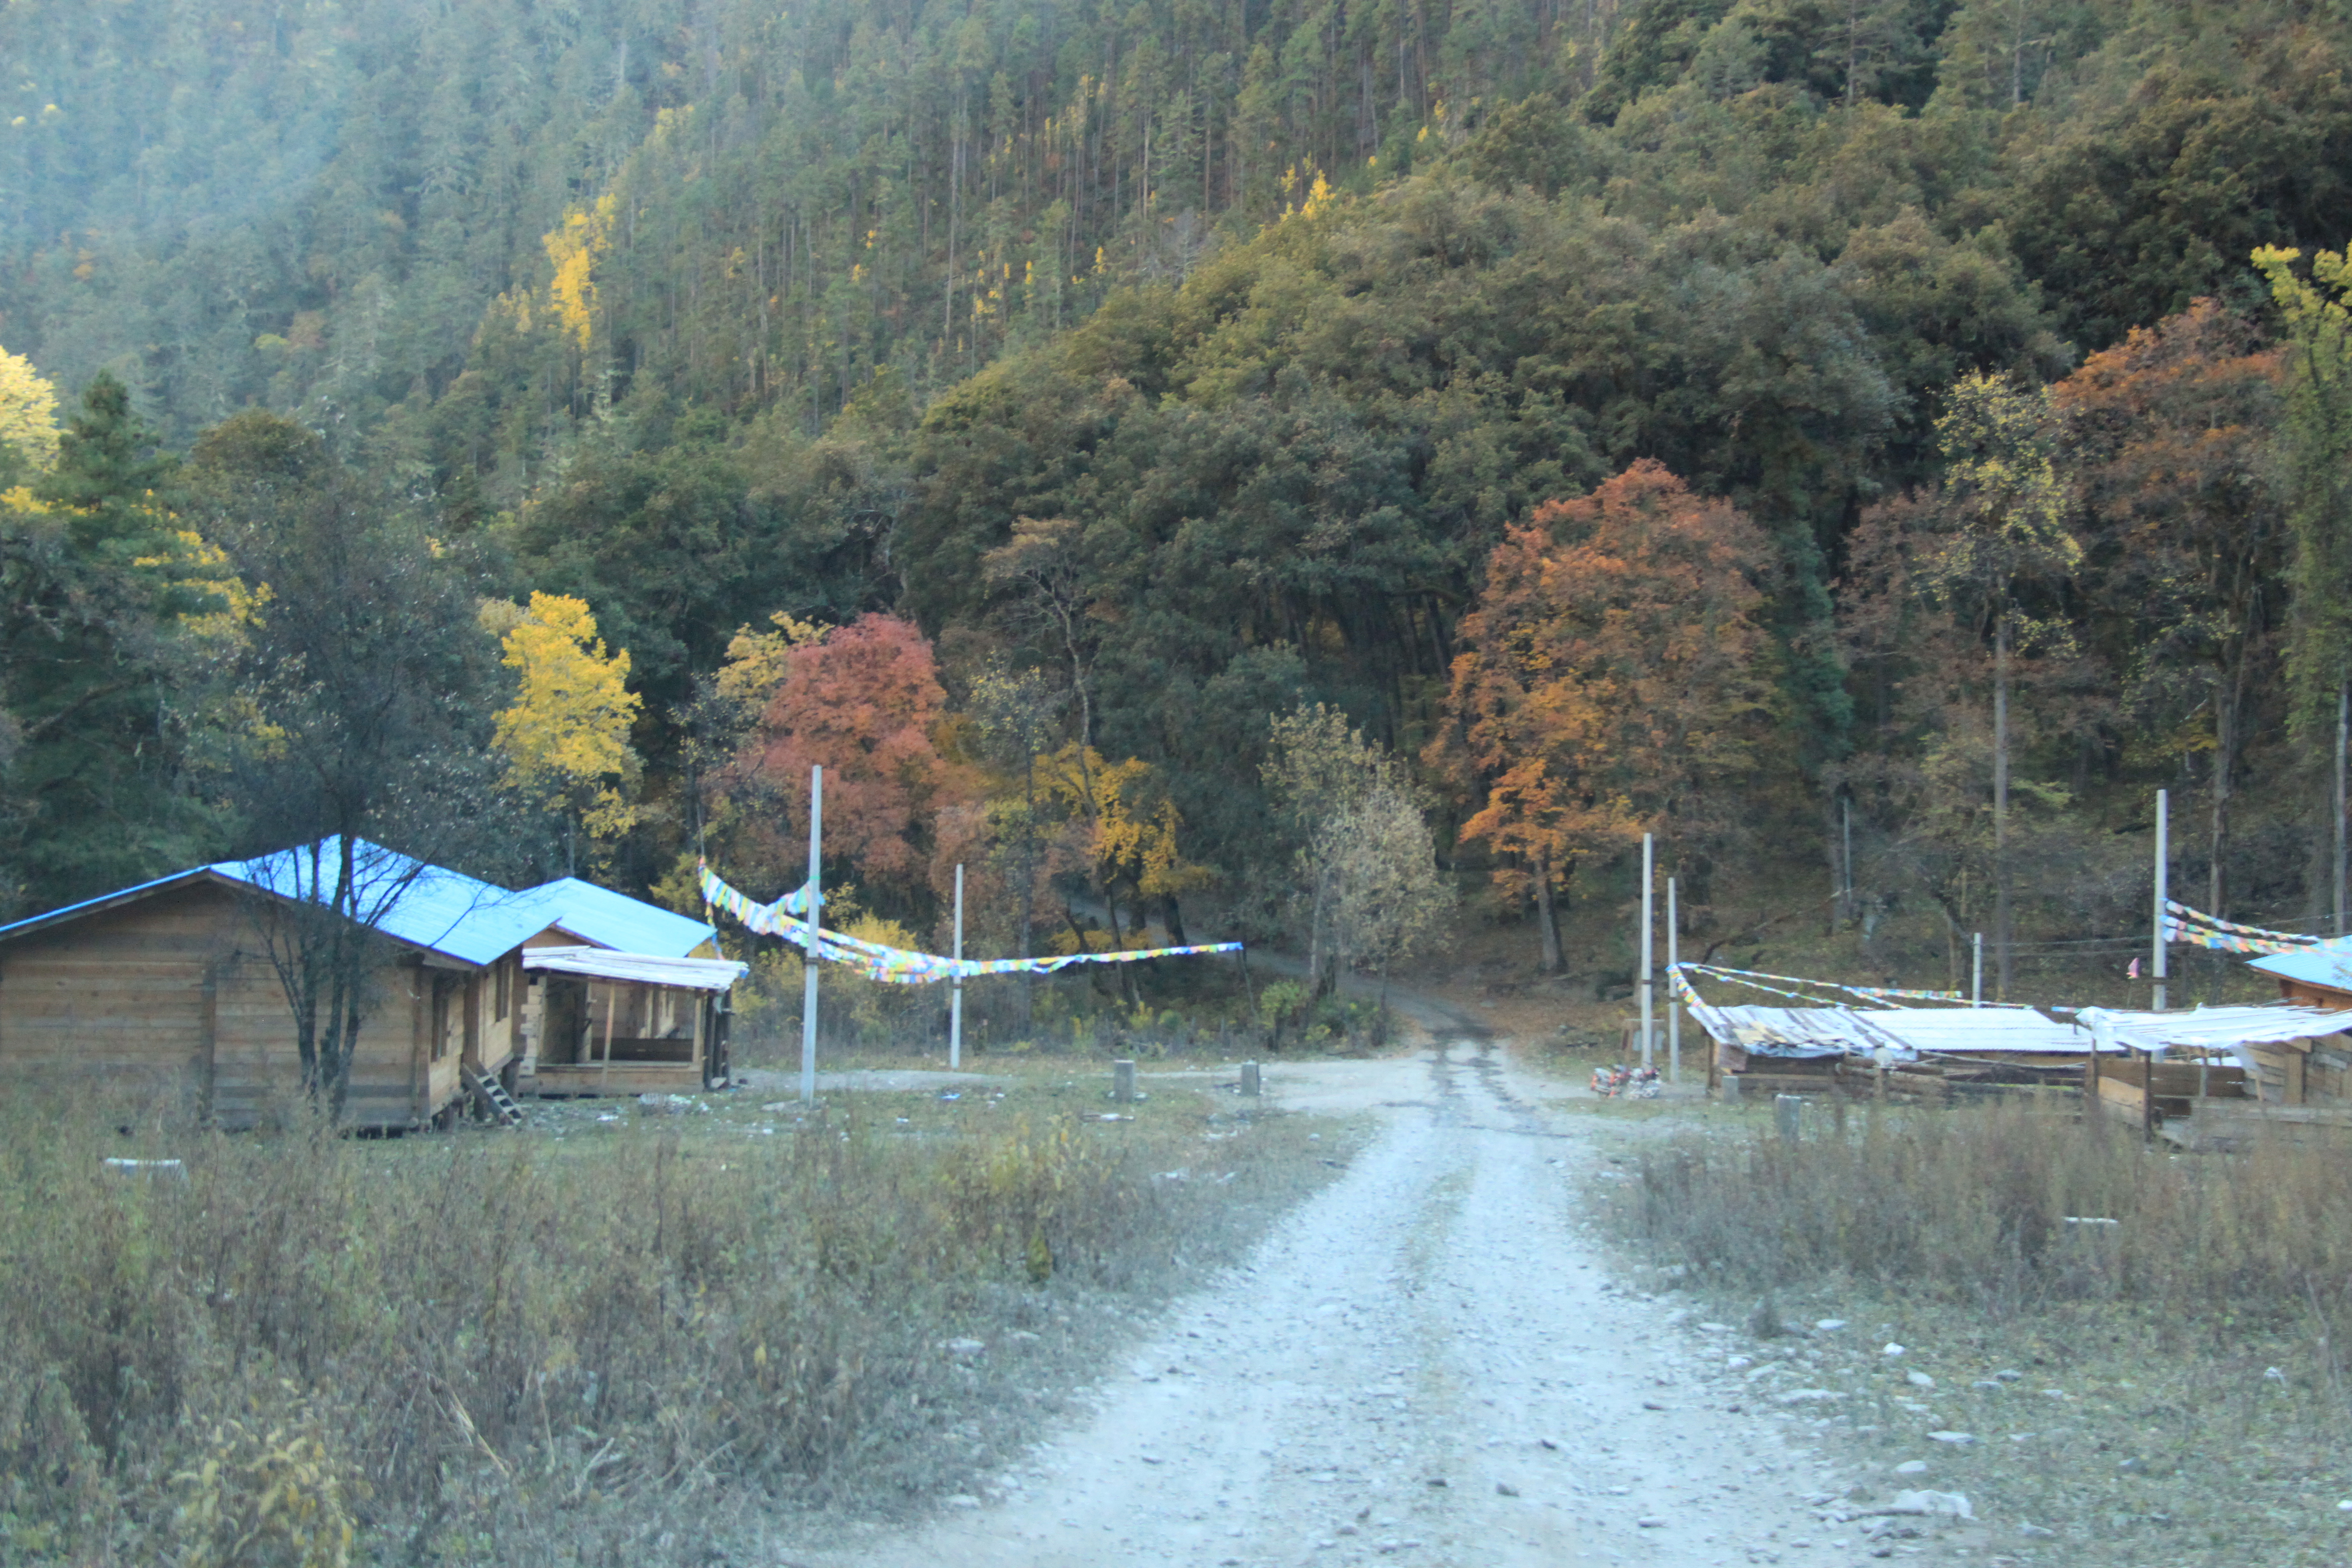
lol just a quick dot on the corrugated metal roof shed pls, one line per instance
(1799, 1032)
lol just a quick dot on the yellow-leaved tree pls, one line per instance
(566, 738)
(28, 411)
(574, 248)
(1121, 831)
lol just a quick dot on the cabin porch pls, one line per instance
(602, 1023)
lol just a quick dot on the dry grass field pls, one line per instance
(628, 1334)
(2168, 1388)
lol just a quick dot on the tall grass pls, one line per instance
(454, 1339)
(1972, 1206)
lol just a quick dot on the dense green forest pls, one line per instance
(1699, 416)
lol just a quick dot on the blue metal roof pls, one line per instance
(2327, 964)
(431, 907)
(604, 918)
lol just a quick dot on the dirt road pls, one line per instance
(1427, 1363)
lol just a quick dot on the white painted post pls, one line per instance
(1673, 1002)
(1976, 974)
(2343, 744)
(816, 917)
(1845, 894)
(1648, 876)
(2163, 829)
(955, 998)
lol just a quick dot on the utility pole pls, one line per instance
(2343, 743)
(1845, 894)
(1649, 1050)
(955, 997)
(816, 919)
(2163, 828)
(1673, 1000)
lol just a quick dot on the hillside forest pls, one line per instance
(1336, 469)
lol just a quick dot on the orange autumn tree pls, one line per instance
(2169, 436)
(865, 702)
(1610, 673)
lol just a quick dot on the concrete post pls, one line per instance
(1122, 1082)
(955, 998)
(1250, 1079)
(816, 921)
(1787, 1112)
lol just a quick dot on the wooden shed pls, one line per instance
(174, 986)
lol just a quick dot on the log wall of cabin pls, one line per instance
(176, 990)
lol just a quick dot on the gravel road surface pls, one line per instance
(1428, 1363)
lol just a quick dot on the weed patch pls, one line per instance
(2123, 1355)
(641, 1340)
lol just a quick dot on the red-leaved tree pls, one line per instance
(1608, 675)
(864, 702)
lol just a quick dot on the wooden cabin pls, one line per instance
(173, 986)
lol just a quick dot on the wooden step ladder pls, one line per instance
(494, 1094)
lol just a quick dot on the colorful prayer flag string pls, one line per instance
(1875, 993)
(2201, 930)
(896, 965)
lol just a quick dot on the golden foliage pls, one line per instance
(566, 738)
(28, 409)
(585, 235)
(1128, 841)
(757, 661)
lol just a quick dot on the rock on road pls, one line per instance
(1427, 1362)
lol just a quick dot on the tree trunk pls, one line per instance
(1545, 920)
(2000, 917)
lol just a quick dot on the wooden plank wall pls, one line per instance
(178, 986)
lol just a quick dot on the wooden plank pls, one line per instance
(2279, 1115)
(2114, 1091)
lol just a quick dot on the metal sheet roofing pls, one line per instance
(431, 907)
(2327, 964)
(691, 974)
(606, 919)
(1906, 1031)
(2004, 1031)
(2214, 1027)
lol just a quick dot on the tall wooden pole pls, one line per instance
(955, 997)
(1649, 1050)
(2163, 855)
(1674, 1003)
(815, 918)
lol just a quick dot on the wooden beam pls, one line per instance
(611, 1005)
